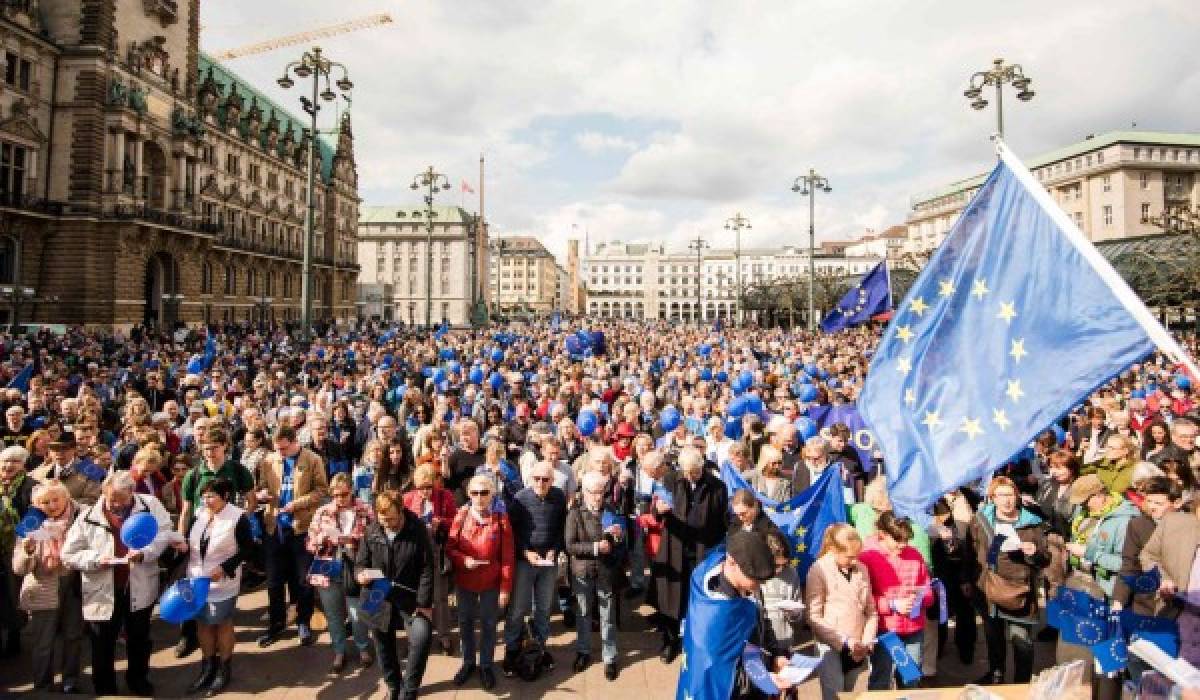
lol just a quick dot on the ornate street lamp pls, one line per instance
(736, 224)
(807, 186)
(433, 182)
(999, 74)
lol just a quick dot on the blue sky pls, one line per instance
(657, 121)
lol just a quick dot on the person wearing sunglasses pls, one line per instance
(333, 536)
(481, 549)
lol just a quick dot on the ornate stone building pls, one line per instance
(140, 182)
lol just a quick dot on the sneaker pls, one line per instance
(185, 647)
(610, 670)
(269, 637)
(487, 677)
(582, 661)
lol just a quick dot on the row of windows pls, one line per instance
(256, 283)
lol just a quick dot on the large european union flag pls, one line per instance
(804, 518)
(714, 635)
(861, 438)
(1014, 320)
(872, 295)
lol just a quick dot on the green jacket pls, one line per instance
(863, 517)
(1106, 542)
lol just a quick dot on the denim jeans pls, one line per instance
(834, 678)
(335, 603)
(882, 668)
(586, 589)
(533, 588)
(485, 608)
(420, 638)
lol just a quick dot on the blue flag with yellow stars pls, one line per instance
(714, 635)
(871, 296)
(1013, 321)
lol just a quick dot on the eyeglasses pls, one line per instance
(480, 493)
(541, 478)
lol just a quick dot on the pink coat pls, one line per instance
(894, 577)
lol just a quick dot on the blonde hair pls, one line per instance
(422, 474)
(387, 500)
(341, 479)
(47, 487)
(148, 456)
(768, 458)
(876, 495)
(840, 537)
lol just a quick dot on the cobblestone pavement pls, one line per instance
(287, 670)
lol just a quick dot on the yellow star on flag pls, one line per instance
(903, 366)
(910, 397)
(795, 563)
(1000, 418)
(1014, 390)
(945, 288)
(979, 289)
(904, 333)
(931, 420)
(1018, 349)
(971, 427)
(1008, 311)
(800, 531)
(800, 548)
(918, 306)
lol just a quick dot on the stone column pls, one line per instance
(118, 167)
(140, 188)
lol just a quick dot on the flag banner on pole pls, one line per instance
(1014, 321)
(869, 297)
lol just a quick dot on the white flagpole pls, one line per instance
(1130, 300)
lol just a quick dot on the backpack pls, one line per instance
(529, 657)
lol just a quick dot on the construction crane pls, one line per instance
(305, 37)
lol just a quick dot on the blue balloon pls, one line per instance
(1183, 382)
(808, 392)
(446, 353)
(722, 376)
(670, 418)
(754, 404)
(496, 381)
(587, 422)
(454, 367)
(747, 379)
(737, 407)
(805, 427)
(443, 387)
(733, 428)
(822, 373)
(1137, 394)
(497, 355)
(476, 375)
(706, 374)
(139, 530)
(704, 350)
(439, 375)
(810, 369)
(183, 600)
(804, 378)
(427, 372)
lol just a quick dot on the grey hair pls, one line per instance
(690, 457)
(15, 451)
(119, 481)
(818, 443)
(593, 480)
(652, 459)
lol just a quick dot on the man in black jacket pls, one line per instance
(399, 546)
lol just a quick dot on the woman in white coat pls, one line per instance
(218, 542)
(120, 585)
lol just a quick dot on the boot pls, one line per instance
(208, 667)
(223, 676)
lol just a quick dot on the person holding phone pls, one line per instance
(334, 535)
(481, 549)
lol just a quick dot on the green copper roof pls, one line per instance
(1096, 143)
(287, 120)
(412, 213)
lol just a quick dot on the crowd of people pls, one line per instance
(464, 487)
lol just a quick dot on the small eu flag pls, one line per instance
(871, 296)
(905, 664)
(1014, 319)
(1145, 581)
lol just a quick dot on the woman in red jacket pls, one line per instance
(481, 549)
(899, 583)
(434, 505)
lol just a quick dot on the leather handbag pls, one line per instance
(1004, 593)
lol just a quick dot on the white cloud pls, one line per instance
(868, 93)
(596, 142)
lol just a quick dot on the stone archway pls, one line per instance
(161, 291)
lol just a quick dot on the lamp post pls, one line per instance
(312, 64)
(736, 224)
(999, 74)
(698, 245)
(807, 186)
(433, 182)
